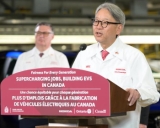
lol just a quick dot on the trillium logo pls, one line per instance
(89, 111)
(6, 110)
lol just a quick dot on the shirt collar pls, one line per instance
(45, 52)
(35, 51)
(116, 49)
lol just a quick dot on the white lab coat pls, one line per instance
(126, 67)
(32, 60)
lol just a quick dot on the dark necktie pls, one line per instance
(104, 54)
(41, 54)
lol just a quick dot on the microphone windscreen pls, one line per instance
(82, 47)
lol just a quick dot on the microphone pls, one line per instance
(81, 48)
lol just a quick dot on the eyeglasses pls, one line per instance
(104, 24)
(43, 33)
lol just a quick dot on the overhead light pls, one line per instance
(16, 39)
(141, 39)
(78, 39)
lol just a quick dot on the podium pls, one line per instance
(119, 107)
(43, 89)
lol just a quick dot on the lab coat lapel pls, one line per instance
(30, 60)
(115, 50)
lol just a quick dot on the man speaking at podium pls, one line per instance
(120, 63)
(41, 56)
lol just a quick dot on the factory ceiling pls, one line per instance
(73, 17)
(76, 9)
(71, 14)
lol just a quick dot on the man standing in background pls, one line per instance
(41, 56)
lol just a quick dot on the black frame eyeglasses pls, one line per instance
(104, 24)
(43, 33)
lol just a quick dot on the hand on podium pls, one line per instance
(133, 96)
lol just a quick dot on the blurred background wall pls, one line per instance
(72, 18)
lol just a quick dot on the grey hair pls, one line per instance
(114, 10)
(45, 24)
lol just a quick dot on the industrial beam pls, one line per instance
(7, 6)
